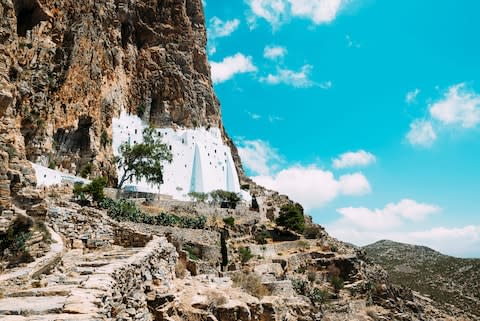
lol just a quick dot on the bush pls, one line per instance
(317, 295)
(245, 254)
(192, 255)
(312, 232)
(262, 236)
(198, 197)
(337, 283)
(291, 217)
(255, 206)
(125, 210)
(86, 170)
(225, 198)
(251, 283)
(229, 221)
(94, 190)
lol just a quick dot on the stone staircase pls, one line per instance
(72, 292)
(85, 285)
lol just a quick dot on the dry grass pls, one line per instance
(180, 269)
(215, 299)
(251, 283)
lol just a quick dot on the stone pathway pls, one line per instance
(75, 291)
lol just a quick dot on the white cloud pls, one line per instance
(411, 96)
(397, 222)
(352, 159)
(312, 186)
(230, 66)
(253, 116)
(421, 133)
(299, 79)
(274, 52)
(459, 106)
(277, 12)
(456, 241)
(258, 156)
(318, 11)
(391, 216)
(326, 84)
(218, 28)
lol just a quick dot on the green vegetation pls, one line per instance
(337, 282)
(255, 206)
(316, 295)
(15, 242)
(86, 170)
(230, 221)
(141, 110)
(104, 140)
(198, 197)
(291, 217)
(245, 254)
(262, 236)
(94, 190)
(191, 252)
(223, 248)
(143, 160)
(125, 210)
(225, 199)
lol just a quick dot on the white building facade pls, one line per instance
(202, 162)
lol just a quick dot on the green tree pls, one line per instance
(143, 160)
(291, 217)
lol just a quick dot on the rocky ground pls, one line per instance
(452, 283)
(99, 269)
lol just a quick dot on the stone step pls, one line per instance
(54, 317)
(32, 305)
(61, 290)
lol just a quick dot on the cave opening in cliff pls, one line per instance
(156, 108)
(67, 141)
(29, 14)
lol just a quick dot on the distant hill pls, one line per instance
(447, 280)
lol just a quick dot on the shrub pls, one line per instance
(94, 190)
(141, 110)
(300, 286)
(255, 206)
(312, 232)
(225, 198)
(230, 221)
(245, 254)
(291, 217)
(104, 140)
(337, 283)
(317, 295)
(262, 236)
(192, 255)
(86, 170)
(311, 276)
(223, 248)
(15, 241)
(198, 197)
(125, 210)
(251, 283)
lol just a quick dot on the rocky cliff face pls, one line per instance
(67, 67)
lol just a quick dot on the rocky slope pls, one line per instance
(448, 280)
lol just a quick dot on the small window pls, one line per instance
(136, 131)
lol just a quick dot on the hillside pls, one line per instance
(447, 280)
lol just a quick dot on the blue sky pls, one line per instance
(365, 111)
